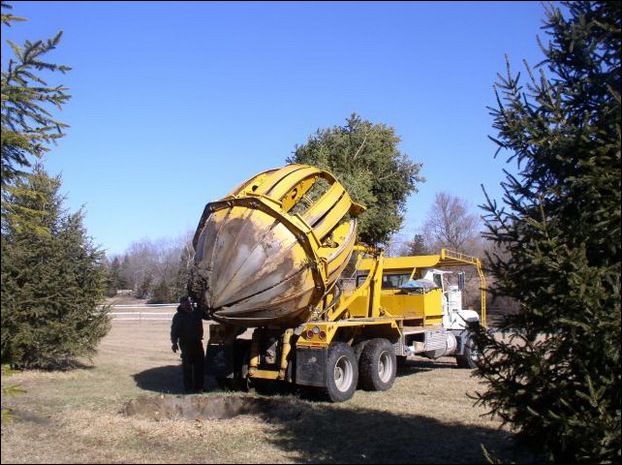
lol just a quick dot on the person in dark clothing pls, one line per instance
(187, 335)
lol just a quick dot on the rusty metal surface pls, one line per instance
(256, 263)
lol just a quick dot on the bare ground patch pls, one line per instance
(198, 407)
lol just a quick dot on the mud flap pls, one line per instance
(311, 367)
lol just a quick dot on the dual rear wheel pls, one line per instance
(375, 370)
(378, 365)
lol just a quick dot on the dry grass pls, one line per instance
(76, 416)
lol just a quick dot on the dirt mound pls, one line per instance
(192, 407)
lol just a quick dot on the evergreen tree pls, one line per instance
(556, 379)
(126, 278)
(145, 285)
(28, 126)
(161, 293)
(365, 159)
(114, 276)
(183, 272)
(417, 246)
(52, 284)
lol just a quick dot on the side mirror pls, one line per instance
(461, 280)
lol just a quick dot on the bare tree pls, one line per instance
(450, 225)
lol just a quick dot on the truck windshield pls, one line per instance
(389, 281)
(394, 281)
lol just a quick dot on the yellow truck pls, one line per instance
(296, 299)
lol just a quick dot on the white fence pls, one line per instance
(143, 312)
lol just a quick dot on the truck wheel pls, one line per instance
(470, 355)
(342, 372)
(378, 365)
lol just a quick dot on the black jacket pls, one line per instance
(186, 326)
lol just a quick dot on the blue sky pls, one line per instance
(175, 103)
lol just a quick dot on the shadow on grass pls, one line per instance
(165, 379)
(168, 379)
(318, 432)
(311, 432)
(330, 434)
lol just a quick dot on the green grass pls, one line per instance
(76, 416)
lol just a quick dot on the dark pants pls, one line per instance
(192, 363)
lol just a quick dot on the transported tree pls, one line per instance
(365, 159)
(556, 377)
(53, 284)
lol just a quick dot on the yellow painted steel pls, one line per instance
(268, 252)
(269, 255)
(430, 311)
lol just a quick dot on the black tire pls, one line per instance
(470, 355)
(377, 365)
(342, 372)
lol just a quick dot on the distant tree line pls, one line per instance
(156, 271)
